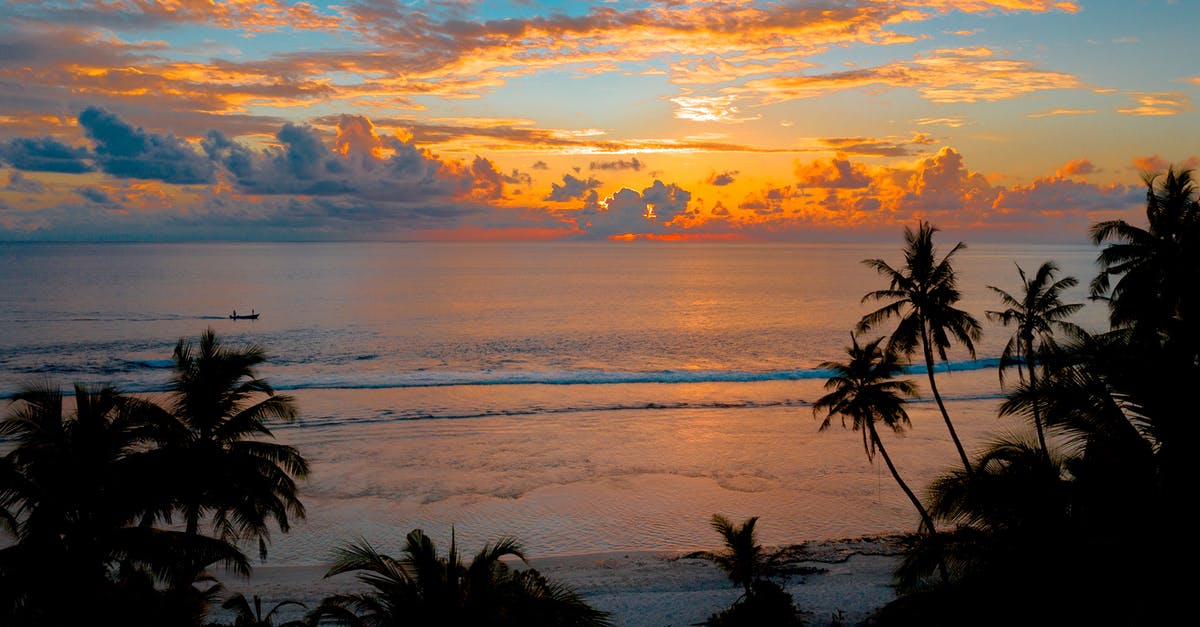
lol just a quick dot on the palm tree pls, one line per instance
(424, 588)
(1036, 313)
(763, 602)
(1158, 267)
(923, 293)
(75, 487)
(742, 559)
(1156, 301)
(246, 615)
(215, 443)
(864, 390)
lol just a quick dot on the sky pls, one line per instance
(821, 120)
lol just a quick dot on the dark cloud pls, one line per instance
(722, 179)
(94, 194)
(18, 183)
(572, 188)
(518, 178)
(385, 171)
(540, 165)
(874, 147)
(44, 154)
(838, 173)
(124, 151)
(631, 212)
(632, 164)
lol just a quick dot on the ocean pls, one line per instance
(583, 397)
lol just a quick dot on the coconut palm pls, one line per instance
(1037, 312)
(75, 485)
(1158, 267)
(424, 588)
(216, 443)
(865, 391)
(922, 294)
(742, 560)
(247, 615)
(1155, 300)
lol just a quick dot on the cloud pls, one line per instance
(839, 172)
(956, 121)
(619, 164)
(1158, 103)
(963, 75)
(1077, 167)
(722, 179)
(18, 183)
(361, 163)
(1058, 112)
(44, 154)
(628, 211)
(94, 194)
(540, 165)
(890, 147)
(1051, 196)
(123, 151)
(572, 188)
(1155, 164)
(709, 109)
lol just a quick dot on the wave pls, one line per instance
(587, 377)
(534, 411)
(434, 378)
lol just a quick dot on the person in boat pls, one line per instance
(234, 313)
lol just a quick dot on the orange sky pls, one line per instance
(185, 119)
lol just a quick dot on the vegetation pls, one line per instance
(424, 588)
(763, 601)
(246, 615)
(1037, 312)
(866, 391)
(1037, 531)
(923, 294)
(88, 494)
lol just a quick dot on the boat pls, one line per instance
(249, 316)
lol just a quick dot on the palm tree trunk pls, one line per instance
(1037, 413)
(962, 453)
(926, 520)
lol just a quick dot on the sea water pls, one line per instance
(583, 397)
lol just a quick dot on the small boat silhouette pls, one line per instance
(249, 316)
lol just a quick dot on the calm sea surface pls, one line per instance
(584, 397)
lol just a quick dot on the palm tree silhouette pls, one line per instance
(424, 588)
(742, 559)
(215, 443)
(1036, 313)
(865, 391)
(923, 293)
(252, 616)
(1158, 267)
(75, 486)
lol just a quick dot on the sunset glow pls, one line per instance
(812, 120)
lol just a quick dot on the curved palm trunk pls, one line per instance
(926, 520)
(962, 453)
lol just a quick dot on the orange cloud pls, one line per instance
(1158, 103)
(1077, 167)
(1057, 112)
(946, 76)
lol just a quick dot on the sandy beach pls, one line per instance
(848, 578)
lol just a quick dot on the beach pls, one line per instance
(561, 395)
(847, 579)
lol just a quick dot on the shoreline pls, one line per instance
(849, 578)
